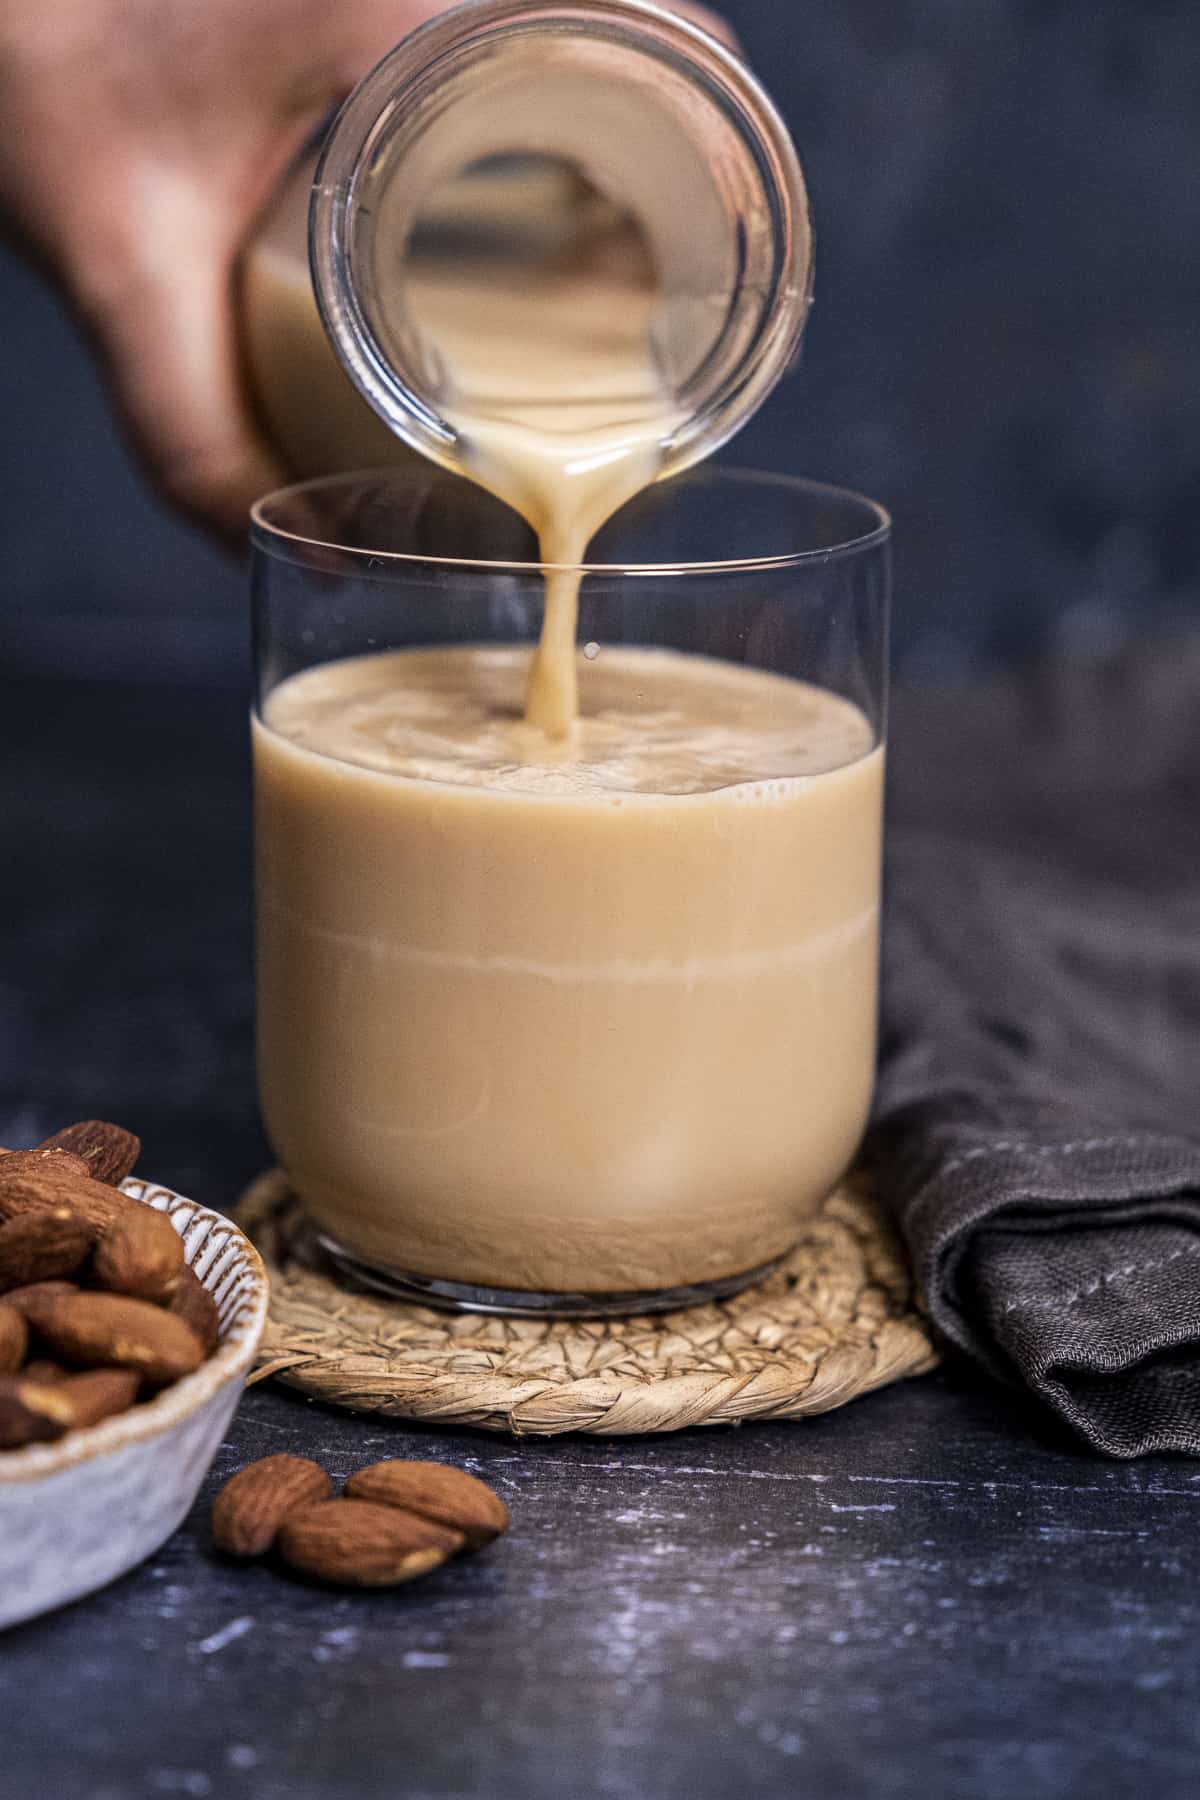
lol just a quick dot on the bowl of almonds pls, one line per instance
(129, 1319)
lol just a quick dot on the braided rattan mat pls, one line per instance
(834, 1321)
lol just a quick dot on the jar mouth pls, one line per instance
(755, 306)
(280, 521)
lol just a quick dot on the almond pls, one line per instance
(43, 1246)
(95, 1331)
(108, 1152)
(436, 1492)
(99, 1393)
(33, 1302)
(141, 1254)
(42, 1371)
(48, 1179)
(40, 1162)
(14, 1339)
(30, 1414)
(253, 1504)
(193, 1303)
(352, 1543)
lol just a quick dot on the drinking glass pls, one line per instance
(580, 1039)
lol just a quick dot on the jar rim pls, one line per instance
(728, 83)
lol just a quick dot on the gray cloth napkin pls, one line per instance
(1038, 1113)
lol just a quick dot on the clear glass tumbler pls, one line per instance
(583, 1028)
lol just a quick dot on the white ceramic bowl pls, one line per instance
(76, 1514)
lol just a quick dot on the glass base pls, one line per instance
(461, 1296)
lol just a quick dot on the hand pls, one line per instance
(139, 141)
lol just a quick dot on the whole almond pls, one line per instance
(43, 1246)
(45, 1180)
(141, 1254)
(193, 1303)
(436, 1492)
(30, 1414)
(14, 1339)
(99, 1394)
(15, 1163)
(253, 1504)
(352, 1543)
(34, 1301)
(94, 1331)
(108, 1152)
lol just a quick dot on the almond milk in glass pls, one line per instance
(560, 940)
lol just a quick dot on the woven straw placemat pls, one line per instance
(833, 1321)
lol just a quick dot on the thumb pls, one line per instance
(164, 320)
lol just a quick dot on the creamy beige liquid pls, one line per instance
(551, 383)
(563, 415)
(594, 1014)
(549, 318)
(549, 376)
(566, 970)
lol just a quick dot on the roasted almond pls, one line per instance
(352, 1543)
(436, 1492)
(193, 1303)
(141, 1254)
(253, 1504)
(30, 1414)
(99, 1393)
(108, 1152)
(14, 1339)
(43, 1246)
(34, 1301)
(53, 1178)
(94, 1331)
(15, 1163)
(42, 1370)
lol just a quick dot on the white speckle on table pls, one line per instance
(242, 1756)
(228, 1634)
(425, 1659)
(340, 1640)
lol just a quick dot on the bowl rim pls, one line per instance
(230, 1362)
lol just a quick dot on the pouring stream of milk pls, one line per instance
(549, 377)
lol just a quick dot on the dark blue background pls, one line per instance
(1003, 349)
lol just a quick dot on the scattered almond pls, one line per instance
(193, 1303)
(253, 1504)
(436, 1492)
(397, 1519)
(14, 1339)
(140, 1254)
(352, 1543)
(108, 1152)
(102, 1330)
(43, 1246)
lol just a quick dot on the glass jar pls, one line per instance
(602, 134)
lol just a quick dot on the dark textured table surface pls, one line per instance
(925, 1594)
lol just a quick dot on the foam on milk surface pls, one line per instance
(651, 722)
